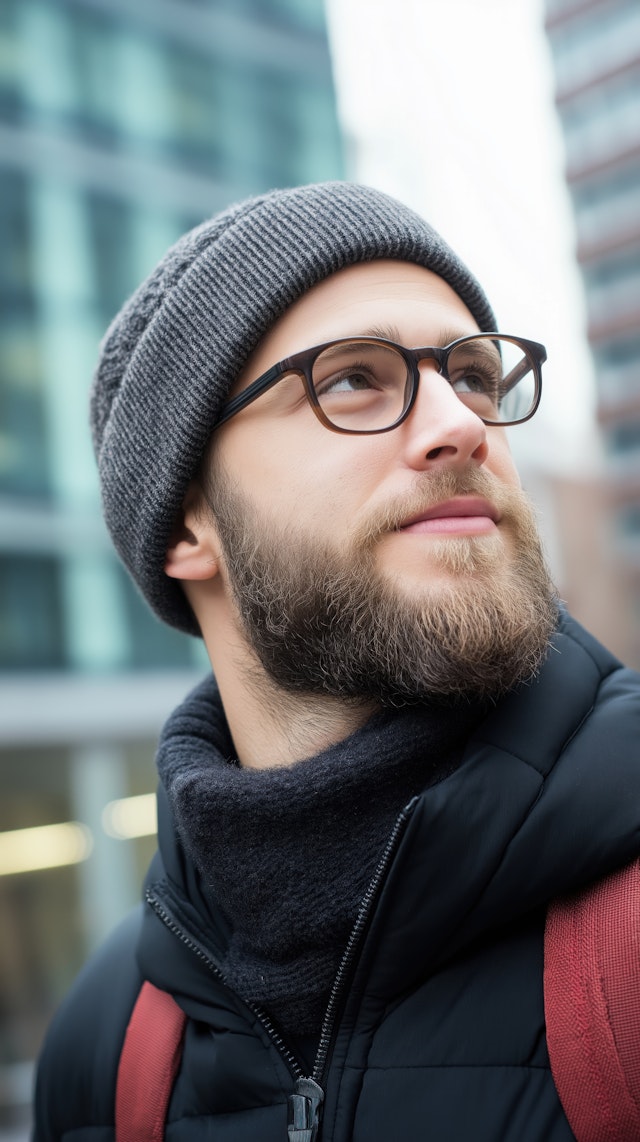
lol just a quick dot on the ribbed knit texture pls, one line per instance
(288, 853)
(172, 353)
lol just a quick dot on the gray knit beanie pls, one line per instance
(171, 355)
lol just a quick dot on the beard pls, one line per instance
(327, 621)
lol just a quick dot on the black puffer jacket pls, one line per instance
(437, 1029)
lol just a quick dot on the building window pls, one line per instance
(602, 121)
(618, 368)
(110, 239)
(629, 521)
(625, 437)
(152, 644)
(307, 16)
(594, 42)
(31, 620)
(613, 287)
(607, 206)
(23, 448)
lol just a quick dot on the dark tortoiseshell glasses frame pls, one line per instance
(301, 364)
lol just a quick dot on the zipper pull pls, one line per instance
(304, 1111)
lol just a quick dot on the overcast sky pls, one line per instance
(449, 106)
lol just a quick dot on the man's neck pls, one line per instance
(274, 727)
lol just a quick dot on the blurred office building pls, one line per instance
(121, 125)
(595, 46)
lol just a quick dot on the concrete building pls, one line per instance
(121, 125)
(595, 46)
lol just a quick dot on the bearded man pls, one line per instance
(409, 749)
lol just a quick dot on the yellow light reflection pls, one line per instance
(45, 846)
(131, 817)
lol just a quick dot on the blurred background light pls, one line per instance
(44, 846)
(131, 817)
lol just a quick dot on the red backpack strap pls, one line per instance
(592, 1006)
(148, 1066)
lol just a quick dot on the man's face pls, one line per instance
(398, 566)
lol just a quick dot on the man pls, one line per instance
(409, 750)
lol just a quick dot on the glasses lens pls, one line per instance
(360, 385)
(495, 377)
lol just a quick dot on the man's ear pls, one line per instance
(193, 551)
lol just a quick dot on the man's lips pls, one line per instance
(463, 515)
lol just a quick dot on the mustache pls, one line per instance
(429, 490)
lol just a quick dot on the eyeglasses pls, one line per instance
(368, 385)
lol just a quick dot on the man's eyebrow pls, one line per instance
(392, 333)
(448, 336)
(387, 332)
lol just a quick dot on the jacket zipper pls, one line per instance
(305, 1104)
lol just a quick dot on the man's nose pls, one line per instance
(440, 428)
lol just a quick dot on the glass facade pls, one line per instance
(595, 46)
(120, 127)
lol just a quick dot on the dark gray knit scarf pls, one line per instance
(288, 853)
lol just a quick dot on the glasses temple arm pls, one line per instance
(511, 380)
(247, 395)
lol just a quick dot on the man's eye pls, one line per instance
(347, 383)
(473, 383)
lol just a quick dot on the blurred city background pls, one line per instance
(515, 128)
